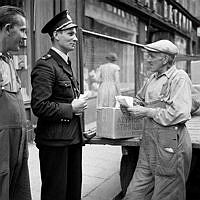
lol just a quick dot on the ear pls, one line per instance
(165, 59)
(7, 28)
(55, 35)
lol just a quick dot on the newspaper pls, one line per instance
(124, 100)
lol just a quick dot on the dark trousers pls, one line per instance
(61, 172)
(127, 167)
(192, 186)
(14, 174)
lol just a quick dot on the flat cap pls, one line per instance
(59, 22)
(162, 46)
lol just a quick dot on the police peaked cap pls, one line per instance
(59, 22)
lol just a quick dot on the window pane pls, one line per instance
(109, 25)
(96, 48)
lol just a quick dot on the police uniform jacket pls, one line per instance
(53, 90)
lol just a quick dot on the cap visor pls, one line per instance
(69, 26)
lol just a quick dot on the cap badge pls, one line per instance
(68, 16)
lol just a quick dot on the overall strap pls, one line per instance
(166, 88)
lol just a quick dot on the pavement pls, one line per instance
(100, 172)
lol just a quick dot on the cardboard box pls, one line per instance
(113, 124)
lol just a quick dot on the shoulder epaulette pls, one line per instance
(45, 57)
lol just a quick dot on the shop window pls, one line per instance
(181, 43)
(96, 48)
(112, 24)
(110, 20)
(95, 51)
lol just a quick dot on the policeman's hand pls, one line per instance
(137, 102)
(79, 105)
(123, 109)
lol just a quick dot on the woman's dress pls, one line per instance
(108, 88)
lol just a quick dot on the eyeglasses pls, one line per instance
(153, 58)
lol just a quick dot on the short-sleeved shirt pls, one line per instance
(9, 79)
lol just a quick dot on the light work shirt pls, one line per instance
(174, 88)
(10, 81)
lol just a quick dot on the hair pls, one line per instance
(112, 57)
(171, 59)
(8, 15)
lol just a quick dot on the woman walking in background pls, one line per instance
(108, 76)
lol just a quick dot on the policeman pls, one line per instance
(56, 103)
(165, 152)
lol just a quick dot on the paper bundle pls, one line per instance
(125, 100)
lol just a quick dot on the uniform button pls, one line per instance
(61, 120)
(176, 128)
(68, 120)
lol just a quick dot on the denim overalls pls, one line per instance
(164, 159)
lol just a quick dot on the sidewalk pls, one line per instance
(100, 172)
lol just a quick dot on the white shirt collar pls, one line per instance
(63, 55)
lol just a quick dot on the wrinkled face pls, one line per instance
(66, 40)
(155, 61)
(16, 34)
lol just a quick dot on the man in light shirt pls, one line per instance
(165, 152)
(14, 175)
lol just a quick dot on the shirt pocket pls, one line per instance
(64, 88)
(167, 152)
(64, 83)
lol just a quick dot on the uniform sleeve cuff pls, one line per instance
(66, 111)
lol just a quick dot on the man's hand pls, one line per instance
(141, 111)
(79, 105)
(138, 111)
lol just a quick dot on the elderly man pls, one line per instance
(58, 106)
(165, 152)
(14, 175)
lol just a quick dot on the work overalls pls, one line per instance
(164, 160)
(14, 176)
